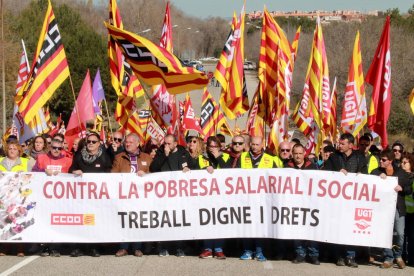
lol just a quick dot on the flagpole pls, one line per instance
(107, 114)
(3, 67)
(76, 106)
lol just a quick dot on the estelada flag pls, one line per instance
(156, 65)
(379, 76)
(49, 70)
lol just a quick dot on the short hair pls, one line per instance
(347, 136)
(328, 148)
(57, 141)
(398, 143)
(364, 138)
(214, 139)
(369, 135)
(222, 138)
(388, 154)
(59, 135)
(172, 136)
(295, 140)
(136, 137)
(93, 133)
(298, 146)
(241, 136)
(327, 142)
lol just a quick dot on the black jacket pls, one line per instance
(102, 164)
(354, 163)
(175, 161)
(404, 181)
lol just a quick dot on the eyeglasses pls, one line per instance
(92, 141)
(384, 160)
(193, 141)
(285, 150)
(118, 140)
(396, 150)
(237, 143)
(57, 148)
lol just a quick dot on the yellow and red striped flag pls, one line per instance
(211, 118)
(156, 65)
(333, 115)
(354, 106)
(255, 124)
(411, 100)
(49, 69)
(230, 72)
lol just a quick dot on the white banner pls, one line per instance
(230, 203)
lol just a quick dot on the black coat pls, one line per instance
(102, 164)
(175, 161)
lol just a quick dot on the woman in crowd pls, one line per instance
(39, 146)
(195, 147)
(407, 164)
(13, 162)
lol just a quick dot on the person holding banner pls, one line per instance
(299, 162)
(171, 157)
(131, 160)
(236, 149)
(346, 160)
(255, 158)
(407, 164)
(90, 159)
(213, 159)
(403, 188)
(116, 146)
(13, 162)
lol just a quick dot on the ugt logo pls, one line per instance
(363, 218)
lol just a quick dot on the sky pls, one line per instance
(225, 8)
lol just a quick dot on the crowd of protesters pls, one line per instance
(124, 154)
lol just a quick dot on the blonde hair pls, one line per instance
(15, 143)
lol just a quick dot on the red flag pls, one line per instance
(83, 111)
(379, 76)
(189, 119)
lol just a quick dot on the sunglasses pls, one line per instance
(212, 146)
(118, 140)
(384, 159)
(237, 143)
(285, 150)
(193, 141)
(92, 142)
(57, 148)
(396, 150)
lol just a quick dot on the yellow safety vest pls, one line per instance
(278, 161)
(372, 163)
(266, 161)
(204, 163)
(20, 167)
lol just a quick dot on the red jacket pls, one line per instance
(48, 161)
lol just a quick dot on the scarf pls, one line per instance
(89, 159)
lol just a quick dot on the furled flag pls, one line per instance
(411, 100)
(379, 76)
(334, 98)
(98, 93)
(49, 70)
(255, 124)
(211, 118)
(317, 85)
(156, 65)
(354, 106)
(163, 103)
(126, 84)
(274, 68)
(189, 119)
(144, 117)
(82, 112)
(230, 72)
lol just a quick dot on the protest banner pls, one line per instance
(229, 203)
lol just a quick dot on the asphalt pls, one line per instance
(171, 265)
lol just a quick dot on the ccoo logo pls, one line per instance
(72, 219)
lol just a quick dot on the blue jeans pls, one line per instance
(302, 246)
(217, 245)
(398, 239)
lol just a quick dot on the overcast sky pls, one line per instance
(225, 8)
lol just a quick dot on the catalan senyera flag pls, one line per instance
(354, 106)
(211, 118)
(333, 115)
(272, 39)
(295, 44)
(230, 72)
(156, 65)
(163, 103)
(411, 100)
(379, 76)
(255, 124)
(49, 70)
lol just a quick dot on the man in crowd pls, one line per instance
(346, 160)
(116, 145)
(255, 158)
(398, 149)
(284, 154)
(131, 160)
(171, 157)
(403, 188)
(299, 162)
(236, 149)
(364, 146)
